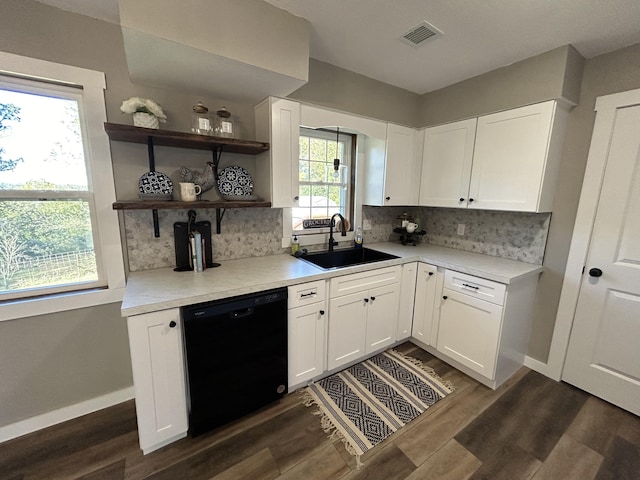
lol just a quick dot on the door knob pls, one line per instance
(595, 272)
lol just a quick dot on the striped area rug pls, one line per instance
(367, 402)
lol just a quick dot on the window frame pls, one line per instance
(108, 246)
(321, 236)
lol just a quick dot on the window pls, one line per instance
(324, 187)
(57, 233)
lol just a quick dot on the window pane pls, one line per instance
(303, 171)
(318, 150)
(304, 148)
(45, 243)
(40, 143)
(318, 171)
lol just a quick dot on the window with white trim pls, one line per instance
(325, 178)
(57, 233)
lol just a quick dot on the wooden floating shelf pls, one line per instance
(174, 205)
(167, 138)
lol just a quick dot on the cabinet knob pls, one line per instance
(444, 297)
(461, 199)
(430, 273)
(366, 300)
(387, 198)
(321, 312)
(172, 324)
(296, 198)
(373, 298)
(470, 200)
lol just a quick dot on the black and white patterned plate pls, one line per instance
(235, 181)
(155, 185)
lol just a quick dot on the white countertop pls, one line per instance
(161, 289)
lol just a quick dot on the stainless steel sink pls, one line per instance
(346, 257)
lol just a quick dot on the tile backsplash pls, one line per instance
(255, 232)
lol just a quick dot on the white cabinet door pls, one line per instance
(446, 164)
(407, 300)
(401, 170)
(424, 311)
(469, 330)
(382, 316)
(278, 122)
(510, 159)
(155, 341)
(347, 328)
(307, 325)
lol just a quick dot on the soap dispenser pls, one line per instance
(295, 245)
(357, 239)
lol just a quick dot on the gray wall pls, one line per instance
(90, 345)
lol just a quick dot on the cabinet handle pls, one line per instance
(470, 286)
(471, 200)
(310, 294)
(366, 300)
(430, 273)
(373, 298)
(321, 312)
(172, 324)
(444, 297)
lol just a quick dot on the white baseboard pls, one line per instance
(540, 367)
(54, 417)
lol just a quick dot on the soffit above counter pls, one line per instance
(242, 51)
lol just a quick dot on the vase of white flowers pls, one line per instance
(146, 112)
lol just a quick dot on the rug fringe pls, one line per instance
(328, 427)
(418, 363)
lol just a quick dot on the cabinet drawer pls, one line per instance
(358, 282)
(481, 288)
(307, 293)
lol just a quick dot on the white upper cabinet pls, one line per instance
(278, 122)
(446, 167)
(392, 179)
(514, 165)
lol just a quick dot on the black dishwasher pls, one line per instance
(236, 354)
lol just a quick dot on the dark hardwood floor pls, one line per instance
(530, 428)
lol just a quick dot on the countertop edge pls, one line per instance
(142, 283)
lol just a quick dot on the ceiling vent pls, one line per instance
(418, 35)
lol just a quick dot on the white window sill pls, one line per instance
(15, 309)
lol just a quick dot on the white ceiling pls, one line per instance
(479, 36)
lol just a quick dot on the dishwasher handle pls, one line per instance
(245, 312)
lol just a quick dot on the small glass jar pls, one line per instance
(224, 124)
(200, 120)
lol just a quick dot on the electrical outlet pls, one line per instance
(366, 224)
(461, 229)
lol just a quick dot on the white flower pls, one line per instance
(144, 105)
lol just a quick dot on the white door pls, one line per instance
(604, 349)
(401, 167)
(347, 327)
(469, 331)
(446, 164)
(382, 316)
(509, 158)
(424, 303)
(306, 342)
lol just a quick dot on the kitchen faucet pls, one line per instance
(332, 224)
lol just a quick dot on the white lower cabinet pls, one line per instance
(482, 327)
(423, 307)
(407, 299)
(307, 326)
(157, 361)
(363, 314)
